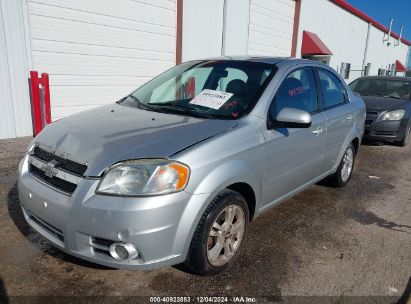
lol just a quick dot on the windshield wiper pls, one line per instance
(144, 106)
(391, 96)
(172, 107)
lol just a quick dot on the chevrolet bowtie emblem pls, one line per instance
(49, 168)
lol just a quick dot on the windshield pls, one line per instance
(391, 88)
(224, 89)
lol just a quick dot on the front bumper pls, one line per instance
(385, 131)
(85, 223)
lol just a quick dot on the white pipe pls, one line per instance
(389, 31)
(223, 37)
(397, 43)
(364, 61)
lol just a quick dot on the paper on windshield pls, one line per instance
(211, 99)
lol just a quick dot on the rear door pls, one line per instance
(294, 155)
(339, 115)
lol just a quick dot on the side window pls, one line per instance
(332, 89)
(297, 91)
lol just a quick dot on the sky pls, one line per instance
(384, 10)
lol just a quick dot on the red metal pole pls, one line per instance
(37, 121)
(191, 87)
(46, 95)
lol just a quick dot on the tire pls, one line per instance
(344, 172)
(404, 141)
(207, 253)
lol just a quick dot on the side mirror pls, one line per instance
(291, 118)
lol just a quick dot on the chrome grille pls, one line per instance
(55, 170)
(66, 164)
(56, 182)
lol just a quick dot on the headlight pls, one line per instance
(394, 115)
(144, 177)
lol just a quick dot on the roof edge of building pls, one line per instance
(355, 11)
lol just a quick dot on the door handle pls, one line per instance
(349, 117)
(318, 131)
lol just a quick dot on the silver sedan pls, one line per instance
(176, 171)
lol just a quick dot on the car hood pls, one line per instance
(113, 133)
(382, 103)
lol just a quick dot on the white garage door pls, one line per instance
(97, 51)
(271, 27)
(15, 111)
(202, 29)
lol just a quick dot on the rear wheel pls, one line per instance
(343, 174)
(219, 234)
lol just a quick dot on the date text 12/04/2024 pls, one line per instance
(201, 299)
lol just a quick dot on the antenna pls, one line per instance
(387, 39)
(397, 42)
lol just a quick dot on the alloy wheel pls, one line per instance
(226, 235)
(348, 161)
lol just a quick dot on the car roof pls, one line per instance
(263, 59)
(393, 78)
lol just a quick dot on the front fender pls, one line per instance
(228, 173)
(224, 175)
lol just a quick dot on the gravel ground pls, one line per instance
(335, 245)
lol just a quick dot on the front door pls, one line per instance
(294, 156)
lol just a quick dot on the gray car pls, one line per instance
(388, 103)
(175, 172)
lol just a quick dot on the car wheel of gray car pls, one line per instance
(219, 234)
(343, 174)
(404, 140)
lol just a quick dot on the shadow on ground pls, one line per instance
(406, 296)
(4, 299)
(16, 214)
(278, 244)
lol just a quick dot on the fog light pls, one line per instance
(121, 251)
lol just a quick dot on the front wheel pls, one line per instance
(343, 174)
(219, 234)
(404, 140)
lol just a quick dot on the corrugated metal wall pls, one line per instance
(202, 28)
(15, 110)
(346, 38)
(271, 27)
(237, 27)
(96, 51)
